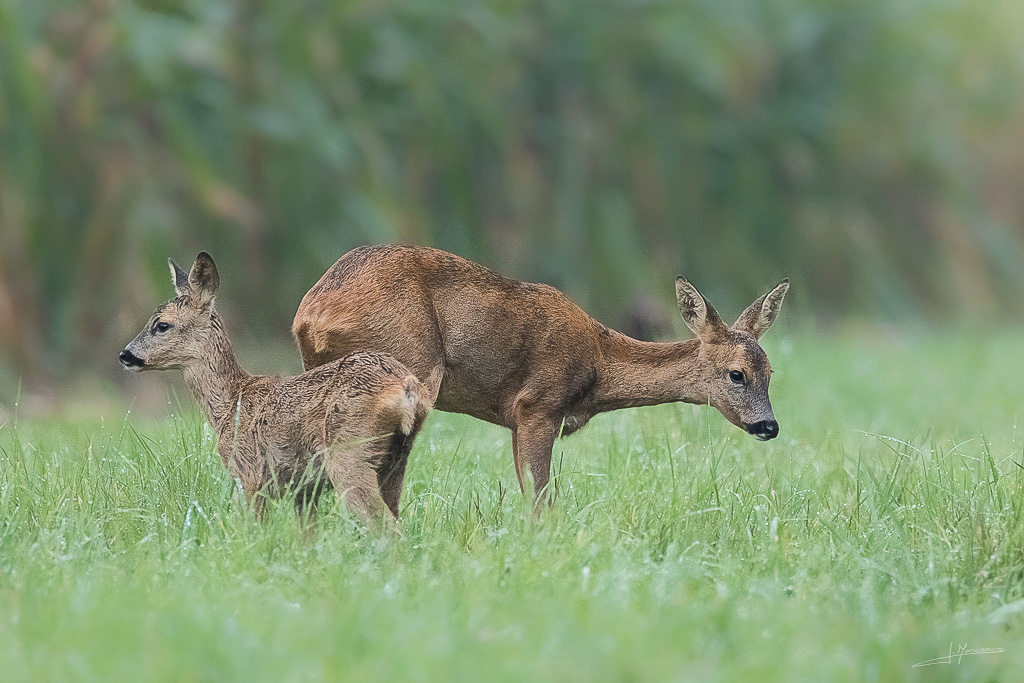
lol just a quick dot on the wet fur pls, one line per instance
(347, 425)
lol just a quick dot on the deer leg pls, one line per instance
(354, 477)
(532, 441)
(391, 475)
(253, 490)
(391, 478)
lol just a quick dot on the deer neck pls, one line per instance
(216, 379)
(636, 373)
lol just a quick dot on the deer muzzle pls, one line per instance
(130, 360)
(764, 430)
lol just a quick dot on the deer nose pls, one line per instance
(130, 360)
(764, 430)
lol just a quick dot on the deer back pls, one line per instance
(432, 310)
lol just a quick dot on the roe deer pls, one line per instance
(523, 355)
(353, 420)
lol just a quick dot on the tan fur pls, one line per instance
(348, 424)
(523, 355)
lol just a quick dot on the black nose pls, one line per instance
(764, 430)
(130, 360)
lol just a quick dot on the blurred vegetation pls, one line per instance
(866, 148)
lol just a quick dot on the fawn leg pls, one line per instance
(391, 475)
(354, 477)
(252, 489)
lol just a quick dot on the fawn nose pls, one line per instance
(130, 360)
(764, 430)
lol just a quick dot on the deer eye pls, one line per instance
(162, 327)
(736, 376)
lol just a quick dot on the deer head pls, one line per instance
(181, 331)
(733, 370)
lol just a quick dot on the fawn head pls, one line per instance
(180, 331)
(733, 370)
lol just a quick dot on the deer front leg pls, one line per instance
(533, 437)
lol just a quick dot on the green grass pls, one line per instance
(883, 525)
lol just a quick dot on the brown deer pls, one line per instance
(523, 355)
(348, 424)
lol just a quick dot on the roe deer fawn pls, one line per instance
(523, 355)
(353, 420)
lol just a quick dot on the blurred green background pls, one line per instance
(871, 150)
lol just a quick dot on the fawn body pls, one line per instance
(524, 356)
(348, 424)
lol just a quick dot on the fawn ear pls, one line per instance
(203, 280)
(760, 315)
(698, 313)
(179, 278)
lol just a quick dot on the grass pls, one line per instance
(882, 528)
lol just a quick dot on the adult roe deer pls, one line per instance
(353, 420)
(523, 355)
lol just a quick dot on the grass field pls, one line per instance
(880, 530)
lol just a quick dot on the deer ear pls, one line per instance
(698, 314)
(203, 279)
(760, 315)
(179, 278)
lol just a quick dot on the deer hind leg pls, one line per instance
(391, 475)
(351, 471)
(400, 429)
(533, 437)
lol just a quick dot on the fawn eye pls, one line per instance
(162, 327)
(736, 376)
